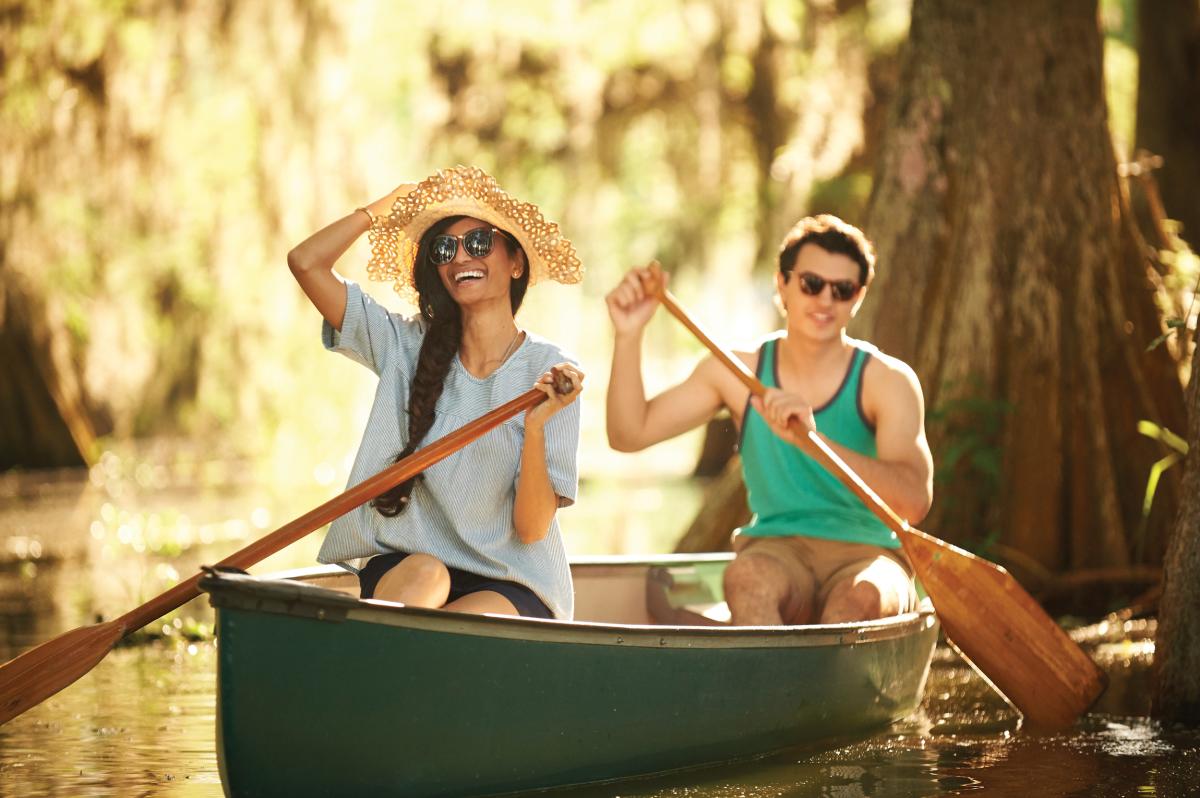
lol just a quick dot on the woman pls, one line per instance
(476, 532)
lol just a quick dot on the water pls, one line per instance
(142, 722)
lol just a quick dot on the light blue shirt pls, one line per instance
(462, 511)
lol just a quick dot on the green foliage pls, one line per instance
(1117, 19)
(968, 428)
(1180, 285)
(1177, 450)
(163, 165)
(1173, 325)
(168, 163)
(974, 423)
(845, 195)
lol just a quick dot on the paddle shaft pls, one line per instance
(810, 443)
(364, 491)
(42, 671)
(998, 627)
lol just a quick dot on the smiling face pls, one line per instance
(820, 317)
(470, 279)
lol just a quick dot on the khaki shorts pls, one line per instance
(828, 562)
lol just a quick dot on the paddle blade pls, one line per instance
(1005, 634)
(42, 671)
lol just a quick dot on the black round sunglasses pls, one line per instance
(477, 243)
(840, 290)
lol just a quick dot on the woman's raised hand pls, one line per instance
(562, 385)
(383, 205)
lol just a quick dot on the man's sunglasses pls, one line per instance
(477, 243)
(841, 290)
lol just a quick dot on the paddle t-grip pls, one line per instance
(562, 383)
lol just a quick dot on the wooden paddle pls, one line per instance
(42, 671)
(997, 626)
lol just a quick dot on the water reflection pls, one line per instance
(142, 722)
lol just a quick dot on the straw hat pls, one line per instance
(465, 191)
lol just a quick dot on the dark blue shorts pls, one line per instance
(462, 583)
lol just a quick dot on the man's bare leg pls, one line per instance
(760, 593)
(878, 590)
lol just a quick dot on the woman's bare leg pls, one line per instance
(483, 601)
(419, 580)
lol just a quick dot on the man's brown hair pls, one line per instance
(832, 235)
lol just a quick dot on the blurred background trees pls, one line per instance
(159, 161)
(1017, 286)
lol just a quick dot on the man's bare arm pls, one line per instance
(902, 470)
(901, 473)
(635, 423)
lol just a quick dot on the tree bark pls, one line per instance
(1010, 278)
(44, 421)
(1168, 104)
(1177, 643)
(722, 511)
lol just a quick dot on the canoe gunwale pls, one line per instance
(287, 596)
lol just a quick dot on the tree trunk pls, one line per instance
(43, 416)
(1010, 279)
(722, 511)
(129, 308)
(1168, 103)
(1177, 643)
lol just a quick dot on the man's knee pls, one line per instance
(855, 600)
(757, 591)
(750, 573)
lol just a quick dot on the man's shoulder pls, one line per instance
(750, 350)
(887, 370)
(882, 359)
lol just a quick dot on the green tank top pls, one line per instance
(790, 493)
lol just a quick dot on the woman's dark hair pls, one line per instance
(443, 334)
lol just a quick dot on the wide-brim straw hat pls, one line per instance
(465, 191)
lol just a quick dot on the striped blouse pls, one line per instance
(462, 511)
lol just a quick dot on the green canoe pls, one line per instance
(320, 693)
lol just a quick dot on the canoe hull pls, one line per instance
(321, 695)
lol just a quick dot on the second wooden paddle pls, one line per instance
(997, 626)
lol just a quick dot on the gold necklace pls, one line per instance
(512, 345)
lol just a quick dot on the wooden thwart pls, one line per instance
(993, 622)
(42, 671)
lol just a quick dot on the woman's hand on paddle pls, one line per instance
(570, 378)
(778, 408)
(634, 300)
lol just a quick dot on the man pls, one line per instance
(813, 553)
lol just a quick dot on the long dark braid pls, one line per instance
(443, 322)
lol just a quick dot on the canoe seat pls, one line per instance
(688, 595)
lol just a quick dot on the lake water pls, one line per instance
(142, 722)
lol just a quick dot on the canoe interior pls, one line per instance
(673, 590)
